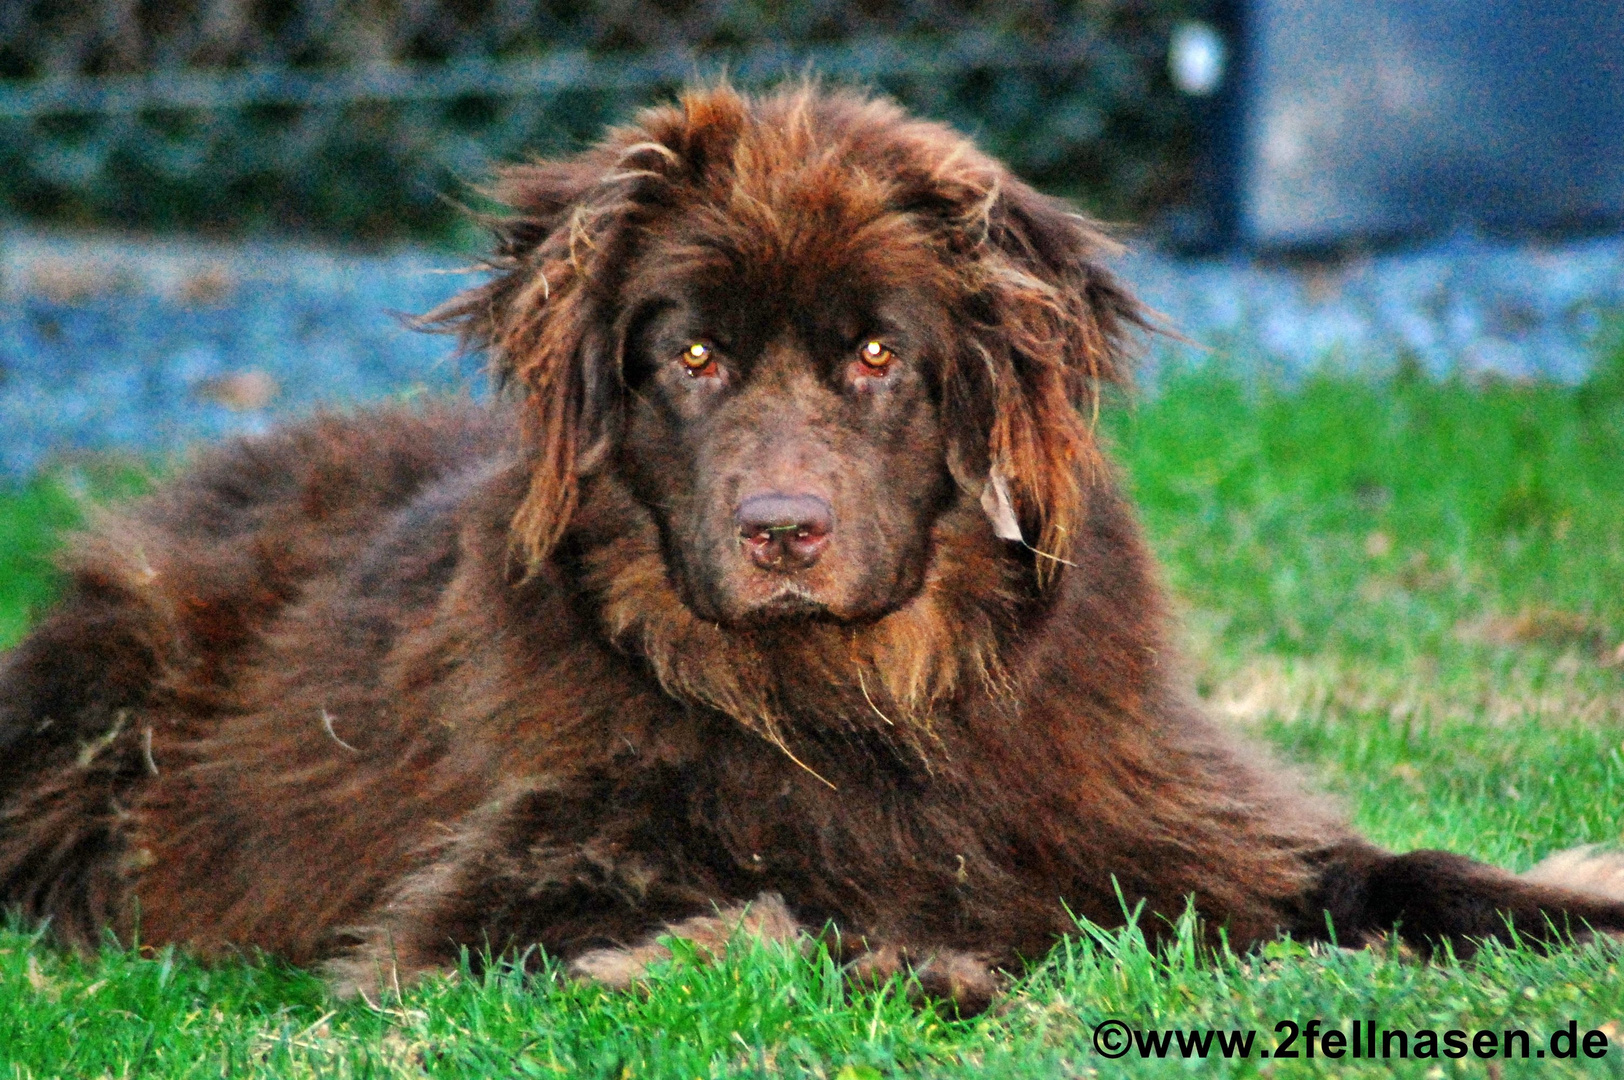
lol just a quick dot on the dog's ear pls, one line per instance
(536, 323)
(546, 317)
(1048, 327)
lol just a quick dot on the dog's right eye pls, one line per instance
(699, 360)
(876, 356)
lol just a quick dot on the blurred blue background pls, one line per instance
(1401, 118)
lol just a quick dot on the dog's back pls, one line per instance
(168, 602)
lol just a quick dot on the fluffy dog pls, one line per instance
(786, 587)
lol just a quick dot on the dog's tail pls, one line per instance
(1435, 898)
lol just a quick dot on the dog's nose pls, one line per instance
(784, 533)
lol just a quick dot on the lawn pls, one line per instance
(1414, 590)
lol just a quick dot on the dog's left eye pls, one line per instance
(699, 359)
(876, 356)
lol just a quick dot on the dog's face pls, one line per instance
(798, 331)
(782, 421)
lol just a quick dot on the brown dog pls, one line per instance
(789, 589)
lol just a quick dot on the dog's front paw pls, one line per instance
(964, 980)
(375, 975)
(617, 969)
(764, 919)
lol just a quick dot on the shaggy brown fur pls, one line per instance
(788, 588)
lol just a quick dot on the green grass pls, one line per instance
(1413, 590)
(33, 517)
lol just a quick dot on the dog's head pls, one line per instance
(797, 330)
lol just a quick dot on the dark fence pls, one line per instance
(358, 117)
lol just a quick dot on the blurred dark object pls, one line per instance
(1346, 124)
(357, 117)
